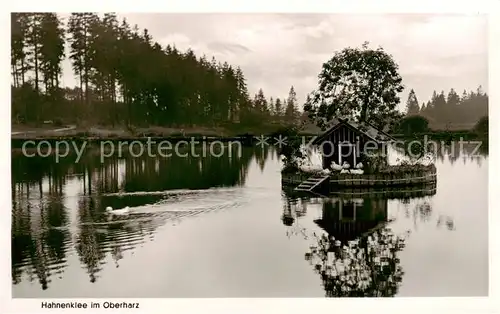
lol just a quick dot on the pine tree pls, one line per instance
(81, 50)
(440, 109)
(291, 112)
(260, 102)
(412, 107)
(270, 108)
(19, 53)
(34, 44)
(51, 51)
(422, 109)
(278, 109)
(452, 102)
(464, 95)
(453, 99)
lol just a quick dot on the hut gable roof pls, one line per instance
(364, 128)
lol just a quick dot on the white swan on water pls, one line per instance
(123, 211)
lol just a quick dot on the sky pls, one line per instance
(276, 51)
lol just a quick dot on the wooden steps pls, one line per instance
(311, 183)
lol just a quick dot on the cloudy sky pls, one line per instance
(275, 51)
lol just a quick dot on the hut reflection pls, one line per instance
(347, 219)
(357, 257)
(357, 254)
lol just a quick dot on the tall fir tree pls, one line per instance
(412, 107)
(278, 109)
(291, 112)
(52, 38)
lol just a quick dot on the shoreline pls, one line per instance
(96, 137)
(207, 137)
(104, 132)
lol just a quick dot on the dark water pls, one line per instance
(224, 227)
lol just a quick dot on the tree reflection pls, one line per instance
(38, 241)
(367, 267)
(357, 254)
(447, 221)
(294, 207)
(262, 155)
(159, 174)
(474, 151)
(451, 151)
(419, 210)
(41, 228)
(88, 243)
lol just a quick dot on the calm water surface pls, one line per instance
(224, 227)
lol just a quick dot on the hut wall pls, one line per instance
(348, 136)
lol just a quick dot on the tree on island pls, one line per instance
(358, 83)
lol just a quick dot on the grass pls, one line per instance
(109, 132)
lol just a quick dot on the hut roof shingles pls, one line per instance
(364, 128)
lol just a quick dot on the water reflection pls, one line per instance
(356, 253)
(356, 257)
(36, 241)
(60, 230)
(58, 207)
(447, 151)
(469, 151)
(368, 267)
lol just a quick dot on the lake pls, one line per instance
(225, 227)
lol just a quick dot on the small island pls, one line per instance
(354, 148)
(346, 143)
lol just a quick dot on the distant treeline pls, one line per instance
(450, 110)
(126, 78)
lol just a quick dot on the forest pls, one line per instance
(126, 78)
(451, 110)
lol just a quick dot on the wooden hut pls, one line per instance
(346, 140)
